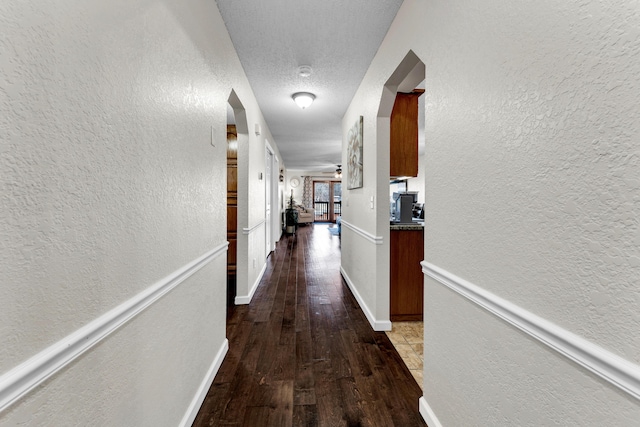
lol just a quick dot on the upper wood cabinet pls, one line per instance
(404, 135)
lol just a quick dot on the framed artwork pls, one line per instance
(354, 155)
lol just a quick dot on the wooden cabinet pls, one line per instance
(403, 154)
(407, 289)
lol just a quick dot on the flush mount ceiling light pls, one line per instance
(303, 99)
(338, 173)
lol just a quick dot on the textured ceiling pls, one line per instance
(338, 39)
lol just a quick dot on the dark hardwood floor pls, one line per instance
(303, 353)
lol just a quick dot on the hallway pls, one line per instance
(303, 353)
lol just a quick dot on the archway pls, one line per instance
(400, 126)
(237, 136)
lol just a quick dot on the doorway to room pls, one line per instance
(401, 125)
(327, 200)
(237, 137)
(272, 199)
(268, 197)
(232, 205)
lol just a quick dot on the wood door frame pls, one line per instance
(273, 225)
(232, 213)
(237, 113)
(330, 210)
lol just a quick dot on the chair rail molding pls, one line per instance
(17, 382)
(609, 366)
(377, 240)
(250, 230)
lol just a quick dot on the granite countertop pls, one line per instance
(404, 227)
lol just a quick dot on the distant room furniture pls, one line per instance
(305, 215)
(291, 220)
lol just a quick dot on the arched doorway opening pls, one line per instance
(237, 134)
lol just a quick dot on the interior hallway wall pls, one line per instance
(112, 131)
(531, 196)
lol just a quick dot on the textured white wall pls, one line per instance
(110, 183)
(297, 191)
(365, 262)
(145, 374)
(546, 163)
(531, 192)
(480, 371)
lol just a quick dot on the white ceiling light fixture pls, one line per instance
(338, 173)
(301, 133)
(303, 99)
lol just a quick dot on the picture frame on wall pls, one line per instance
(354, 155)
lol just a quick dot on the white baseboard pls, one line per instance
(377, 325)
(196, 403)
(428, 415)
(246, 299)
(17, 382)
(620, 372)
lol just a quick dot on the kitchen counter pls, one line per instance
(407, 226)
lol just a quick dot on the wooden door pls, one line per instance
(232, 210)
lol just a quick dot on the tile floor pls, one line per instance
(407, 338)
